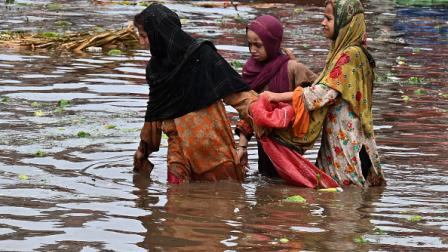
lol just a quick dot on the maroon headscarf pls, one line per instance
(272, 72)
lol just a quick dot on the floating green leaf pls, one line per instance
(420, 91)
(296, 199)
(406, 98)
(114, 52)
(5, 99)
(415, 80)
(415, 218)
(298, 10)
(110, 126)
(39, 113)
(83, 134)
(40, 153)
(54, 6)
(59, 110)
(23, 177)
(379, 231)
(50, 35)
(63, 103)
(236, 64)
(35, 104)
(360, 240)
(284, 240)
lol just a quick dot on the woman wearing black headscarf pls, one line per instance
(188, 81)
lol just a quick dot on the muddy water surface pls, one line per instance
(66, 181)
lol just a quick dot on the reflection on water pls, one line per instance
(62, 189)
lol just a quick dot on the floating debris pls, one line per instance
(295, 199)
(69, 41)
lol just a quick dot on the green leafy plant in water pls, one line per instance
(405, 98)
(39, 113)
(360, 240)
(114, 52)
(110, 126)
(236, 64)
(298, 10)
(283, 240)
(23, 177)
(5, 99)
(63, 103)
(295, 199)
(50, 35)
(35, 104)
(379, 231)
(415, 80)
(420, 91)
(59, 110)
(83, 134)
(40, 153)
(415, 218)
(54, 6)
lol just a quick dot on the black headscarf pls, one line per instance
(183, 74)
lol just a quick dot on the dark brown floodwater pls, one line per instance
(82, 195)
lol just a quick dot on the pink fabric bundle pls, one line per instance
(267, 114)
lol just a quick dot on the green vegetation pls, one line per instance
(415, 218)
(83, 134)
(54, 6)
(39, 113)
(284, 240)
(295, 199)
(114, 52)
(5, 99)
(379, 231)
(40, 153)
(50, 35)
(110, 126)
(236, 64)
(420, 91)
(406, 98)
(298, 10)
(23, 177)
(360, 240)
(63, 103)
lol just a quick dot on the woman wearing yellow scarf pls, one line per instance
(339, 102)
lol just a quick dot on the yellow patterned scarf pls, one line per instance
(347, 71)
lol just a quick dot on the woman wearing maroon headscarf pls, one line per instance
(268, 69)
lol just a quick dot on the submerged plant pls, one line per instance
(360, 240)
(114, 52)
(415, 218)
(83, 134)
(295, 199)
(63, 103)
(40, 153)
(420, 91)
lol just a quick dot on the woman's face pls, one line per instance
(256, 47)
(143, 38)
(328, 22)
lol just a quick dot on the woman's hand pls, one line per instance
(141, 163)
(277, 97)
